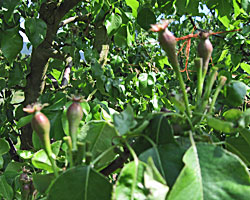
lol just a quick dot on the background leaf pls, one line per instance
(11, 43)
(145, 18)
(35, 30)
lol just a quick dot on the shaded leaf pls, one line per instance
(145, 18)
(80, 183)
(167, 159)
(24, 121)
(11, 43)
(36, 30)
(42, 181)
(4, 146)
(5, 189)
(100, 135)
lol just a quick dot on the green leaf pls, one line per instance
(130, 182)
(125, 121)
(245, 67)
(154, 182)
(232, 115)
(237, 9)
(159, 130)
(14, 167)
(145, 18)
(133, 4)
(211, 173)
(36, 30)
(146, 83)
(6, 190)
(42, 181)
(100, 135)
(245, 4)
(40, 159)
(10, 5)
(24, 121)
(4, 146)
(167, 159)
(1, 161)
(236, 92)
(181, 6)
(240, 147)
(220, 125)
(225, 21)
(80, 183)
(11, 43)
(224, 8)
(25, 154)
(120, 37)
(2, 83)
(112, 24)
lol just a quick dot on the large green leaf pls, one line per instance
(6, 190)
(239, 146)
(11, 43)
(36, 30)
(167, 159)
(145, 18)
(211, 173)
(100, 135)
(4, 146)
(42, 181)
(80, 183)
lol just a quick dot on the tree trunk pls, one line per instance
(51, 13)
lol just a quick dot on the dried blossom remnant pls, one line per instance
(34, 107)
(160, 27)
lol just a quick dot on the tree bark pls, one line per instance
(51, 13)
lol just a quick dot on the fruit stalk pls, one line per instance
(168, 43)
(210, 82)
(41, 125)
(222, 82)
(198, 65)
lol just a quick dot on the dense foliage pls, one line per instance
(101, 110)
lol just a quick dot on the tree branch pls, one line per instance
(69, 64)
(84, 18)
